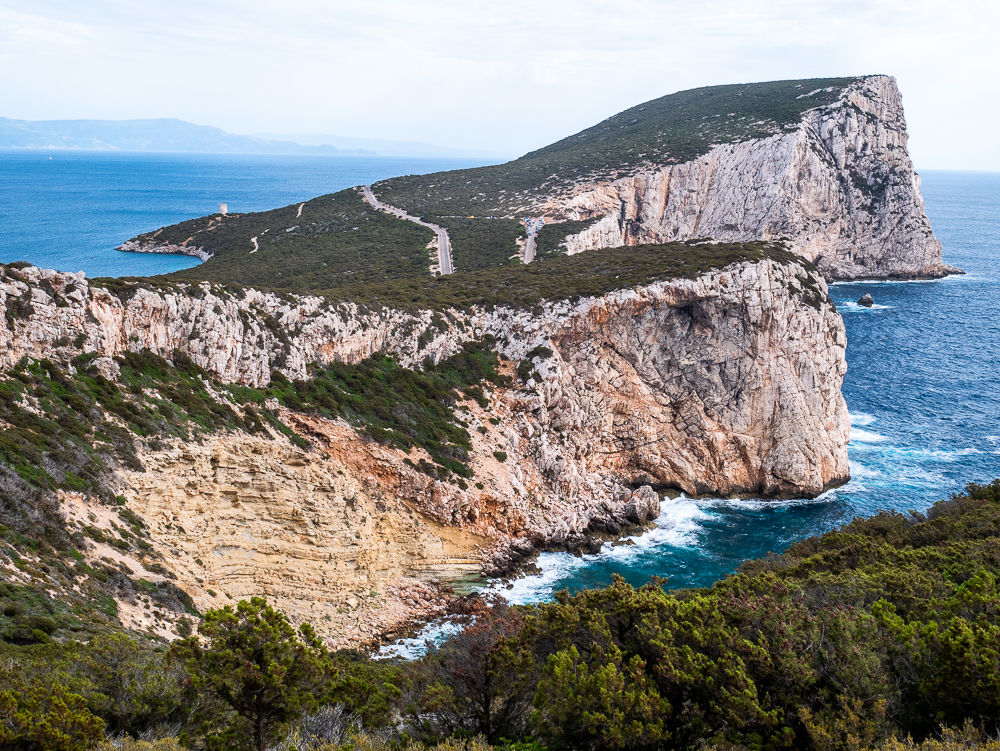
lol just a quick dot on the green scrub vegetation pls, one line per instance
(590, 274)
(338, 240)
(670, 130)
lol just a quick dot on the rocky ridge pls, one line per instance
(839, 188)
(133, 246)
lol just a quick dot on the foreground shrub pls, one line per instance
(264, 672)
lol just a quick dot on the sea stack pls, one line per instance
(866, 300)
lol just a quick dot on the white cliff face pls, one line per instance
(132, 246)
(728, 383)
(840, 187)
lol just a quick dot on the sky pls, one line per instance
(503, 76)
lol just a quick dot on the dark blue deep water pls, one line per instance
(923, 385)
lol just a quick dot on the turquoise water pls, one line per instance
(923, 385)
(68, 210)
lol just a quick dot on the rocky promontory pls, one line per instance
(839, 187)
(726, 383)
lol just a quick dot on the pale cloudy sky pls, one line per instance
(498, 75)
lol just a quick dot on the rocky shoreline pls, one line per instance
(133, 246)
(728, 383)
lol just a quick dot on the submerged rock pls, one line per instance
(866, 300)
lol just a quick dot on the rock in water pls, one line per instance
(866, 300)
(644, 505)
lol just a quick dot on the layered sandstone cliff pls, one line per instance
(839, 188)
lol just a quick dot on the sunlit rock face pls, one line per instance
(728, 383)
(840, 188)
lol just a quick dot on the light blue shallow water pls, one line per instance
(923, 384)
(68, 210)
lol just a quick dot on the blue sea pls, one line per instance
(923, 382)
(923, 392)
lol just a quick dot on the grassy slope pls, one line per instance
(551, 237)
(559, 277)
(338, 239)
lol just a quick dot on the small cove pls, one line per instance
(923, 390)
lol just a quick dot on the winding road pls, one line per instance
(444, 245)
(532, 225)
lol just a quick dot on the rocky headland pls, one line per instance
(725, 383)
(314, 414)
(839, 187)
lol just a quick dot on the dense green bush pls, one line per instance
(870, 636)
(481, 243)
(338, 239)
(548, 241)
(885, 627)
(590, 274)
(398, 406)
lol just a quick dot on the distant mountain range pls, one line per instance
(172, 135)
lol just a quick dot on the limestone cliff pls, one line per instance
(839, 187)
(727, 383)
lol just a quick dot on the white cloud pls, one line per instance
(499, 74)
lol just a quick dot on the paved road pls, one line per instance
(444, 245)
(532, 225)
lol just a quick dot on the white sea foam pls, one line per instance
(760, 504)
(865, 436)
(920, 455)
(862, 419)
(867, 282)
(859, 470)
(677, 526)
(853, 307)
(410, 649)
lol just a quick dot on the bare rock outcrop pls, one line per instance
(133, 246)
(314, 531)
(840, 188)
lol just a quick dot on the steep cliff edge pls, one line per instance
(727, 382)
(840, 188)
(693, 382)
